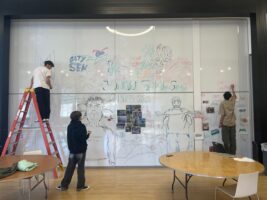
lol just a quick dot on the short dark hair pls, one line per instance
(75, 115)
(227, 95)
(49, 62)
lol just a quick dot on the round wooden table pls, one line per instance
(45, 164)
(208, 164)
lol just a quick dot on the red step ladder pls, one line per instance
(17, 127)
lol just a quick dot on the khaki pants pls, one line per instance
(229, 139)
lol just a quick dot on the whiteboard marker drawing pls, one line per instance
(176, 125)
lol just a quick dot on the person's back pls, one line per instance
(227, 121)
(228, 108)
(39, 76)
(76, 136)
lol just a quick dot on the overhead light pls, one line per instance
(130, 34)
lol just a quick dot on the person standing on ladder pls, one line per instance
(41, 82)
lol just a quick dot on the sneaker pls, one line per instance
(61, 188)
(86, 187)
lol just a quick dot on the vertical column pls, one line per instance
(4, 77)
(259, 62)
(197, 88)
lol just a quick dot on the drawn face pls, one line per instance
(176, 102)
(163, 56)
(94, 108)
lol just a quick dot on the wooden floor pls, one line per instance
(128, 184)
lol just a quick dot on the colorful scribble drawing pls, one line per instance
(155, 68)
(177, 122)
(100, 52)
(162, 57)
(102, 143)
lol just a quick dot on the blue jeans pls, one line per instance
(73, 160)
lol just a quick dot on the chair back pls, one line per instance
(247, 185)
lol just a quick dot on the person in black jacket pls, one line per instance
(76, 136)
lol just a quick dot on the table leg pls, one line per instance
(174, 175)
(46, 188)
(36, 184)
(224, 181)
(30, 187)
(187, 178)
(185, 185)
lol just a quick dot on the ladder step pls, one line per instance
(13, 143)
(48, 132)
(15, 132)
(19, 122)
(54, 153)
(11, 154)
(51, 142)
(31, 128)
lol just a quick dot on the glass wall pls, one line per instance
(135, 83)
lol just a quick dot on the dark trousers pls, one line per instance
(229, 139)
(43, 100)
(73, 160)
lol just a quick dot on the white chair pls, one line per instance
(246, 186)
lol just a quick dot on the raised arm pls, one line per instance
(233, 90)
(31, 83)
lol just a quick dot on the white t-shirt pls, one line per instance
(39, 77)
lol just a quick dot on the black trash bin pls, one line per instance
(264, 156)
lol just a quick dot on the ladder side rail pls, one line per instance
(14, 123)
(28, 102)
(42, 128)
(53, 141)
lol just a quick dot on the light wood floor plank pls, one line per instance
(128, 184)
